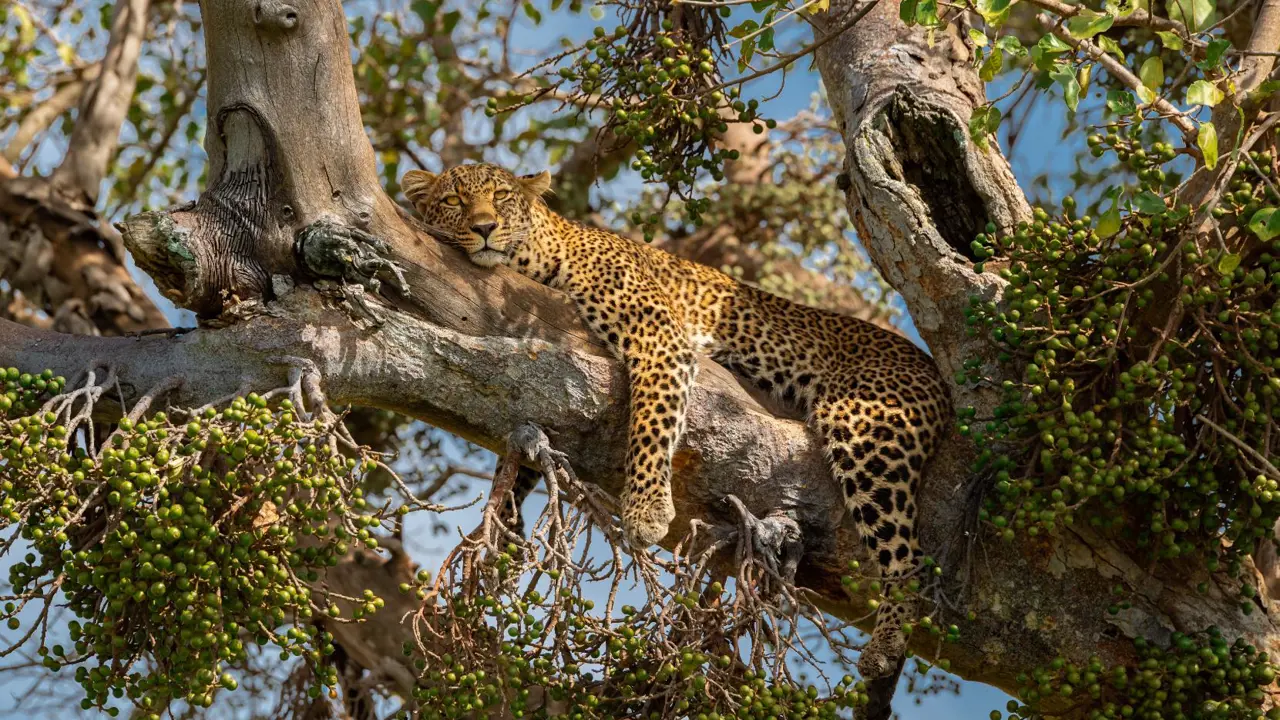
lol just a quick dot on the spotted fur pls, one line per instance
(876, 401)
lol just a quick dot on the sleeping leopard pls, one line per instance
(876, 401)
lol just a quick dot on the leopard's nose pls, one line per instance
(483, 229)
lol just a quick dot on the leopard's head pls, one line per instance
(483, 209)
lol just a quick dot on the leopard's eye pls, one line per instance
(452, 201)
(501, 194)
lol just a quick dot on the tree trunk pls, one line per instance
(64, 268)
(920, 191)
(479, 352)
(103, 106)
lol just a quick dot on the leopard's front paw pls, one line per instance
(874, 664)
(881, 656)
(331, 250)
(645, 521)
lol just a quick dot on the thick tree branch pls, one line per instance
(103, 106)
(64, 268)
(1053, 600)
(919, 190)
(40, 117)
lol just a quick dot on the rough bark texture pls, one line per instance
(478, 352)
(920, 191)
(66, 267)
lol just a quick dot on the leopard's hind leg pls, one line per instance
(876, 458)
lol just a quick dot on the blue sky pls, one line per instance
(1039, 151)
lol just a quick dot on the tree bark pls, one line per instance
(479, 352)
(920, 191)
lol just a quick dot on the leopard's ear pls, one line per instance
(417, 183)
(535, 186)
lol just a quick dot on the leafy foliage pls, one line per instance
(660, 72)
(1200, 675)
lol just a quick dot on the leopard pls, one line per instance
(875, 400)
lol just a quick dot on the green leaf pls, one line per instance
(1066, 77)
(1011, 45)
(1170, 40)
(1265, 90)
(1053, 44)
(1203, 92)
(984, 121)
(1152, 73)
(978, 126)
(748, 51)
(994, 12)
(747, 27)
(1121, 102)
(532, 11)
(451, 19)
(1213, 54)
(1111, 46)
(993, 120)
(907, 12)
(1086, 24)
(1149, 203)
(978, 37)
(927, 12)
(1207, 139)
(1228, 263)
(1195, 14)
(765, 43)
(1265, 224)
(1045, 53)
(425, 9)
(992, 65)
(1109, 223)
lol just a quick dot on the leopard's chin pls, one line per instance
(489, 258)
